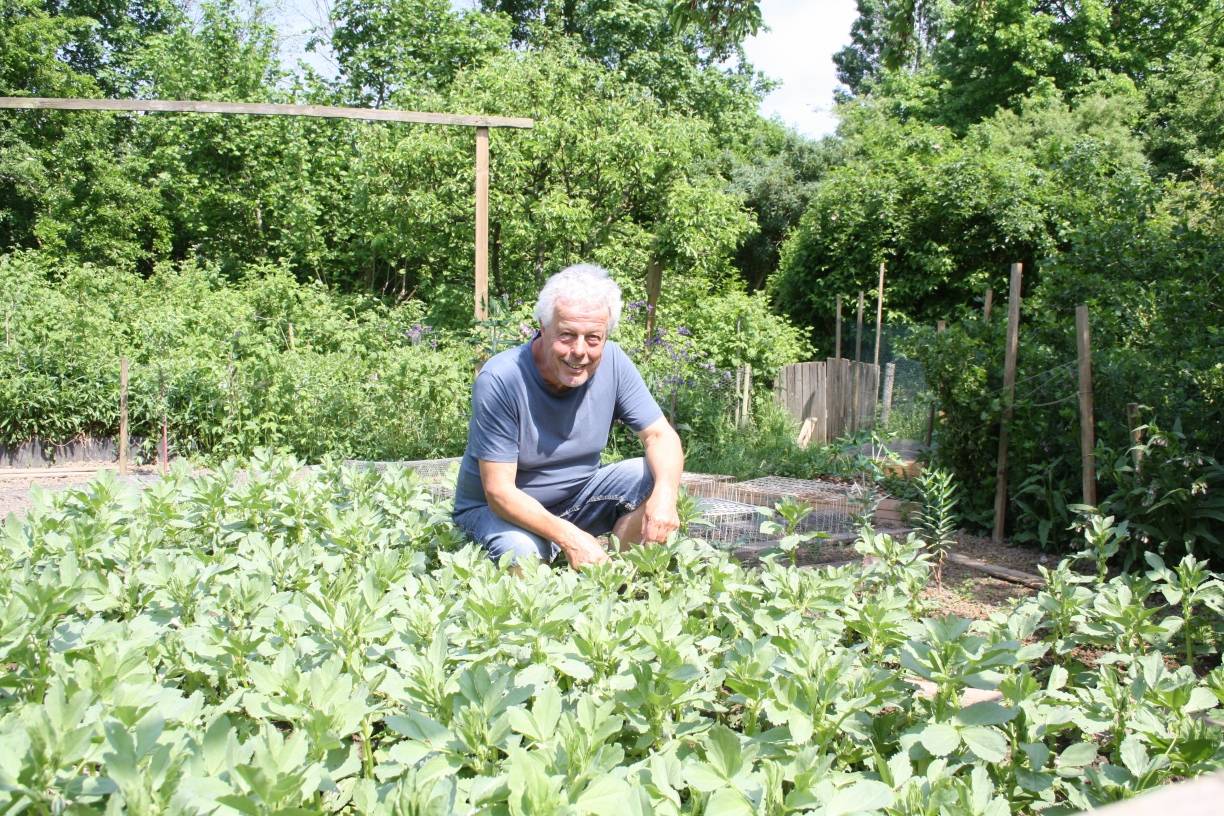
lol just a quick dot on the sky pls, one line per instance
(796, 50)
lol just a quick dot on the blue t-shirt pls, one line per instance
(556, 439)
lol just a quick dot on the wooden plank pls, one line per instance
(821, 412)
(1009, 394)
(1193, 797)
(1005, 573)
(481, 289)
(987, 303)
(1083, 343)
(262, 109)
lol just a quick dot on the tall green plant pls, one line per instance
(937, 518)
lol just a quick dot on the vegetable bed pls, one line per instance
(285, 642)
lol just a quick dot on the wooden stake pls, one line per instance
(123, 416)
(1009, 394)
(291, 340)
(746, 401)
(940, 326)
(890, 372)
(164, 452)
(837, 341)
(858, 331)
(1087, 424)
(481, 293)
(879, 313)
(987, 303)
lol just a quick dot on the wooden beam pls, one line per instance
(261, 109)
(481, 291)
(1009, 394)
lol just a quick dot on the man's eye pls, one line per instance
(594, 340)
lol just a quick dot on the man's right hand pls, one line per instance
(581, 548)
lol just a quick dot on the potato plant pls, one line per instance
(281, 641)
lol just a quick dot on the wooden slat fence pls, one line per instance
(839, 395)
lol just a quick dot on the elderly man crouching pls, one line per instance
(530, 484)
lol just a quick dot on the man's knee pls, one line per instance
(519, 544)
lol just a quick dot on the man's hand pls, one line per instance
(660, 518)
(581, 548)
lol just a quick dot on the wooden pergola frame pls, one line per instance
(482, 124)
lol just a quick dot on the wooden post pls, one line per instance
(987, 303)
(837, 341)
(654, 286)
(745, 405)
(164, 448)
(1083, 342)
(890, 371)
(858, 331)
(123, 416)
(1009, 394)
(1136, 435)
(879, 313)
(481, 293)
(940, 327)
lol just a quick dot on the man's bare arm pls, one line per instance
(665, 458)
(512, 504)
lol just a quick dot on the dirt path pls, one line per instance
(15, 484)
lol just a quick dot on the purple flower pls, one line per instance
(684, 332)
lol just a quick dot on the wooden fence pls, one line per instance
(838, 395)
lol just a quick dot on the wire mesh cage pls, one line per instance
(727, 524)
(836, 506)
(705, 485)
(438, 475)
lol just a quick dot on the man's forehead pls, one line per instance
(572, 313)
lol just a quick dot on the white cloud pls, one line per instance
(798, 51)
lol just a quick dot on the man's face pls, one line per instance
(572, 345)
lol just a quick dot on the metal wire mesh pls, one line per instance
(835, 505)
(437, 474)
(703, 484)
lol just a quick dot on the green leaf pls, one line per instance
(985, 713)
(1134, 755)
(728, 802)
(1078, 755)
(986, 743)
(940, 739)
(605, 794)
(702, 776)
(866, 794)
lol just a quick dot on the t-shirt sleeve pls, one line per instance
(634, 404)
(494, 433)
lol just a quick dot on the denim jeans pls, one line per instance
(611, 492)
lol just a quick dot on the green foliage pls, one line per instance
(937, 519)
(268, 362)
(280, 639)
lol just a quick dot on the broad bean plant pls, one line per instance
(285, 640)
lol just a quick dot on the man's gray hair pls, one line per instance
(583, 284)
